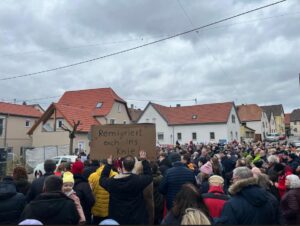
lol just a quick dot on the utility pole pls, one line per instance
(71, 134)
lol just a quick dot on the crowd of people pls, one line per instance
(236, 183)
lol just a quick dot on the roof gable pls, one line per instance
(19, 110)
(295, 115)
(249, 112)
(88, 99)
(276, 109)
(196, 114)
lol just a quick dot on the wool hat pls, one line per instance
(215, 180)
(109, 222)
(30, 222)
(77, 167)
(175, 157)
(207, 168)
(68, 177)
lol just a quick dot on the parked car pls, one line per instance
(39, 169)
(272, 137)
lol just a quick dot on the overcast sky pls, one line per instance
(254, 58)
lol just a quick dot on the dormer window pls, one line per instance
(194, 116)
(99, 105)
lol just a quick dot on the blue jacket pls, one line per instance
(249, 204)
(172, 181)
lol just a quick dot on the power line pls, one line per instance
(141, 46)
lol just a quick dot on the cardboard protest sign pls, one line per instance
(120, 140)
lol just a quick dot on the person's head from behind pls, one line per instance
(53, 184)
(187, 197)
(128, 163)
(240, 163)
(216, 181)
(194, 216)
(49, 166)
(20, 173)
(241, 173)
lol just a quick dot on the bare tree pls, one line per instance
(71, 134)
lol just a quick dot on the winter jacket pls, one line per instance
(126, 203)
(37, 187)
(249, 204)
(84, 193)
(158, 199)
(87, 171)
(164, 165)
(290, 206)
(172, 181)
(76, 200)
(170, 219)
(215, 200)
(22, 186)
(281, 182)
(11, 203)
(100, 208)
(52, 208)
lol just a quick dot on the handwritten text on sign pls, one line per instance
(121, 140)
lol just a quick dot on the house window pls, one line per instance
(160, 136)
(194, 117)
(99, 105)
(194, 136)
(59, 123)
(153, 120)
(247, 134)
(295, 123)
(232, 118)
(231, 135)
(147, 120)
(27, 123)
(212, 135)
(178, 136)
(1, 126)
(112, 121)
(124, 122)
(81, 145)
(236, 135)
(119, 108)
(263, 125)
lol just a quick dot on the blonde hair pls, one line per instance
(194, 217)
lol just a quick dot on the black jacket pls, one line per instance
(52, 208)
(11, 203)
(85, 194)
(22, 186)
(249, 204)
(175, 177)
(126, 203)
(37, 187)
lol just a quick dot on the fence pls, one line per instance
(40, 154)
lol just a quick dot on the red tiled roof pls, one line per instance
(20, 110)
(249, 112)
(287, 118)
(71, 114)
(89, 98)
(206, 113)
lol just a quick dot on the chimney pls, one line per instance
(177, 105)
(131, 106)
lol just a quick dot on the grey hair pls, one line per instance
(273, 159)
(294, 181)
(242, 172)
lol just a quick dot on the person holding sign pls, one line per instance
(126, 204)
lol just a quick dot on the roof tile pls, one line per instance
(249, 112)
(20, 110)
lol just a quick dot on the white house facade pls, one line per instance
(169, 130)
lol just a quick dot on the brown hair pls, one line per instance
(20, 173)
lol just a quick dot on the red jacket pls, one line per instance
(281, 181)
(215, 200)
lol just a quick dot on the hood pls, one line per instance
(250, 191)
(7, 190)
(48, 205)
(216, 189)
(78, 179)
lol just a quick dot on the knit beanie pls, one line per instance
(207, 168)
(215, 180)
(77, 167)
(30, 222)
(68, 177)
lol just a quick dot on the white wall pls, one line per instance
(152, 116)
(272, 127)
(233, 127)
(202, 131)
